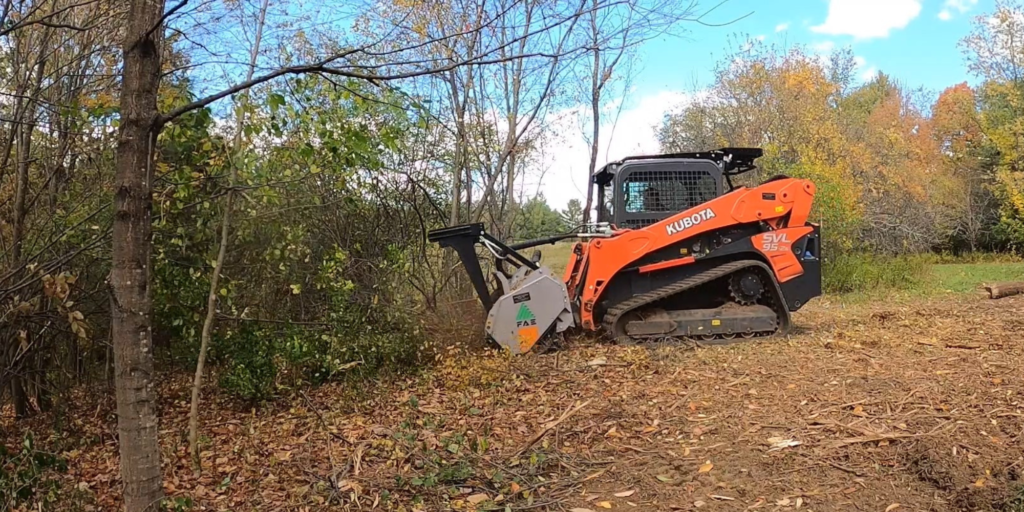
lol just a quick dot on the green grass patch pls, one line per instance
(556, 256)
(969, 277)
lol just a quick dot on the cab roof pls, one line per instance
(733, 161)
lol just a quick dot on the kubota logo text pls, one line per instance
(689, 222)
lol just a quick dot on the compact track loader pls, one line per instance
(677, 251)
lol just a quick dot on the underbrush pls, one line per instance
(257, 362)
(846, 273)
(28, 476)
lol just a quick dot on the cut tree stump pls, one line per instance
(1000, 290)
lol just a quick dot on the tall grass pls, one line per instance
(845, 273)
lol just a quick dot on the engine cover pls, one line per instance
(533, 306)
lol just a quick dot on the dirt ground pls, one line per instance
(874, 407)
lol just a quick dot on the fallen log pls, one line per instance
(1000, 290)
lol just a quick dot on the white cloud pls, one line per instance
(760, 37)
(823, 50)
(564, 176)
(959, 6)
(868, 74)
(864, 72)
(781, 27)
(867, 19)
(824, 46)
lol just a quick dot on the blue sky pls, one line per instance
(914, 41)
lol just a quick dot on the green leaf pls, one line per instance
(275, 101)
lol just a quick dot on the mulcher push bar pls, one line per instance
(463, 239)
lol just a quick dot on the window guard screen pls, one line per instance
(667, 191)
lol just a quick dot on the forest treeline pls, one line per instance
(247, 187)
(898, 170)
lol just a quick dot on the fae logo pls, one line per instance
(525, 317)
(770, 242)
(689, 222)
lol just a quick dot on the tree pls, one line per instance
(994, 51)
(970, 210)
(131, 306)
(537, 219)
(572, 215)
(611, 37)
(868, 147)
(225, 229)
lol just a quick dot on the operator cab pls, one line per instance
(638, 191)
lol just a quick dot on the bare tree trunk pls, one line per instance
(19, 397)
(211, 313)
(23, 145)
(22, 408)
(211, 299)
(453, 218)
(458, 106)
(131, 301)
(42, 384)
(595, 109)
(596, 81)
(468, 185)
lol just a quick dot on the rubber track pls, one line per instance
(613, 314)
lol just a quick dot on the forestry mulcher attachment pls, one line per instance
(677, 251)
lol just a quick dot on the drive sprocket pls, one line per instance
(745, 287)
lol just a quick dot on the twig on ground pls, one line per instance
(846, 469)
(963, 346)
(548, 427)
(332, 477)
(882, 437)
(322, 421)
(835, 407)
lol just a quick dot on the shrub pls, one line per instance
(257, 358)
(25, 475)
(250, 371)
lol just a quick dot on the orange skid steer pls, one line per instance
(677, 251)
